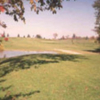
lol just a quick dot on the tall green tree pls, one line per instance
(96, 6)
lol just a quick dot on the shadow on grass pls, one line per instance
(5, 88)
(8, 95)
(24, 62)
(94, 51)
(3, 80)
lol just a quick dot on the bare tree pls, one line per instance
(55, 35)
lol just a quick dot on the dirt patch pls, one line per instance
(68, 51)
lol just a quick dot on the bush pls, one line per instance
(28, 36)
(38, 36)
(6, 39)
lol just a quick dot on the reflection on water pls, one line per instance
(7, 54)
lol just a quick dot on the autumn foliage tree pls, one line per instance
(16, 8)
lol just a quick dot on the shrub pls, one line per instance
(6, 39)
(38, 36)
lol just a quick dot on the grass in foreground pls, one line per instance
(50, 77)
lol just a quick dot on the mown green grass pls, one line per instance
(50, 76)
(43, 44)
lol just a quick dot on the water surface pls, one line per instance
(9, 53)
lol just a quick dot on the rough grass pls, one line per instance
(50, 77)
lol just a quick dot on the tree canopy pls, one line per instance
(16, 8)
(96, 6)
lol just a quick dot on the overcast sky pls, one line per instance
(76, 17)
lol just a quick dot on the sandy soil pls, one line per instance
(67, 51)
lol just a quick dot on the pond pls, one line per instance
(8, 54)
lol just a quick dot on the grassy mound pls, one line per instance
(50, 77)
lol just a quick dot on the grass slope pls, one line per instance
(43, 45)
(48, 76)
